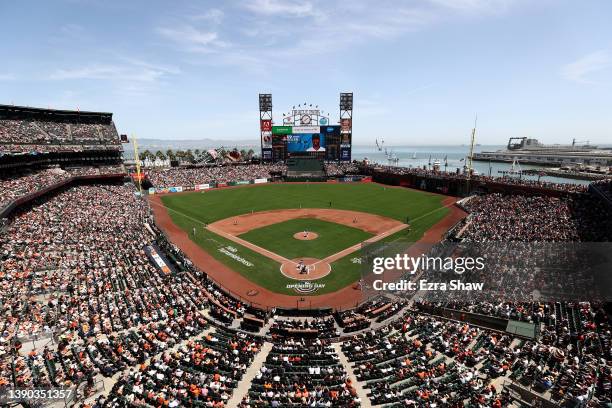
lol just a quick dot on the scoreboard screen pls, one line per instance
(305, 142)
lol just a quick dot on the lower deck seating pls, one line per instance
(301, 373)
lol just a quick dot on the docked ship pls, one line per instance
(531, 151)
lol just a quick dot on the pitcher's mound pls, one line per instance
(313, 269)
(308, 236)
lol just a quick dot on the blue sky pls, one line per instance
(420, 70)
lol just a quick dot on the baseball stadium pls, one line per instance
(244, 283)
(306, 204)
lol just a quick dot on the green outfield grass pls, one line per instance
(332, 238)
(191, 210)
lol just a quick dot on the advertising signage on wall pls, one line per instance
(306, 129)
(266, 139)
(330, 130)
(345, 153)
(282, 130)
(266, 125)
(304, 142)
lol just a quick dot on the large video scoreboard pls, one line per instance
(323, 142)
(306, 132)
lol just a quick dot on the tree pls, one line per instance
(189, 156)
(170, 154)
(146, 155)
(160, 155)
(250, 154)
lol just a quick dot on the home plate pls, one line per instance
(305, 269)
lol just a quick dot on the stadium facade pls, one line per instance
(94, 292)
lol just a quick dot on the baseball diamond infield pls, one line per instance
(258, 256)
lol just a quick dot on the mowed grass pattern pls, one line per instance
(195, 209)
(213, 205)
(332, 238)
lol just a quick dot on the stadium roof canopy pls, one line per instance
(27, 112)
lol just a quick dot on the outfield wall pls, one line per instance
(215, 185)
(205, 186)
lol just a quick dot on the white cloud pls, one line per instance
(336, 24)
(214, 15)
(193, 39)
(129, 70)
(287, 8)
(268, 33)
(580, 70)
(475, 6)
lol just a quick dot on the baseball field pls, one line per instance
(275, 235)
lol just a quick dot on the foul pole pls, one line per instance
(470, 168)
(471, 156)
(137, 161)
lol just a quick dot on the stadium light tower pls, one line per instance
(346, 105)
(346, 125)
(265, 126)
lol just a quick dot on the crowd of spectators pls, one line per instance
(28, 135)
(352, 320)
(320, 327)
(421, 360)
(335, 169)
(299, 372)
(192, 176)
(379, 309)
(96, 170)
(570, 358)
(497, 217)
(202, 372)
(569, 361)
(569, 187)
(21, 183)
(74, 267)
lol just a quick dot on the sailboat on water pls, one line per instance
(515, 169)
